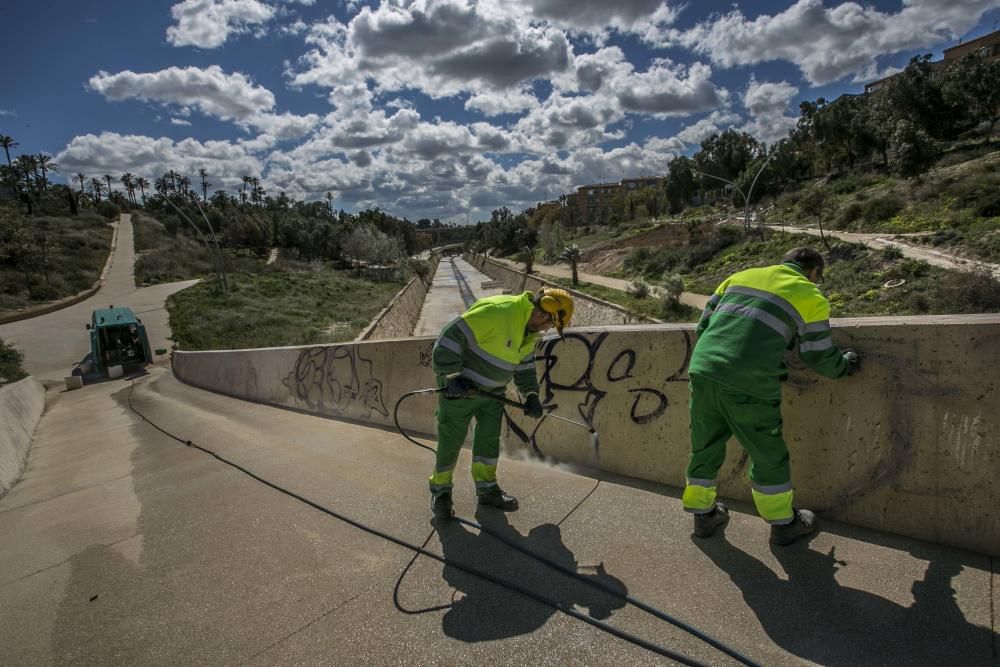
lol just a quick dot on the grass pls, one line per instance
(648, 307)
(11, 359)
(75, 251)
(859, 279)
(163, 258)
(276, 308)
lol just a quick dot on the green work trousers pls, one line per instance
(719, 412)
(453, 417)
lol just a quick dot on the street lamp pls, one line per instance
(746, 196)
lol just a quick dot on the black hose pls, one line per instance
(555, 604)
(733, 653)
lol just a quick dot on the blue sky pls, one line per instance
(436, 107)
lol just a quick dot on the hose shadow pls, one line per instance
(483, 611)
(813, 616)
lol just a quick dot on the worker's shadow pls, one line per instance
(811, 615)
(484, 611)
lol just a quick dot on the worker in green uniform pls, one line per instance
(736, 370)
(478, 353)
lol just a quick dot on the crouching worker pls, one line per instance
(736, 371)
(478, 354)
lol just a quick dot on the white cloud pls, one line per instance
(232, 97)
(209, 23)
(668, 90)
(212, 91)
(714, 123)
(645, 18)
(8, 112)
(179, 121)
(113, 153)
(767, 103)
(494, 104)
(829, 43)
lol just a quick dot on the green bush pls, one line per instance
(639, 289)
(882, 208)
(109, 210)
(891, 252)
(10, 364)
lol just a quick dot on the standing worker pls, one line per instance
(478, 353)
(736, 372)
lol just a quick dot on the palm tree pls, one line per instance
(246, 182)
(81, 178)
(107, 177)
(97, 186)
(46, 164)
(142, 184)
(27, 165)
(161, 185)
(329, 202)
(128, 180)
(172, 177)
(204, 184)
(571, 255)
(183, 184)
(8, 142)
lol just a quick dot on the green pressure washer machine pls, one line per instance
(117, 338)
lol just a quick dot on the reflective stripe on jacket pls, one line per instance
(753, 317)
(488, 345)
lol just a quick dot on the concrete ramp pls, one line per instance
(122, 545)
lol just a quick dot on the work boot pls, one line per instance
(442, 506)
(706, 524)
(499, 499)
(804, 523)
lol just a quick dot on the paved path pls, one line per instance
(551, 270)
(457, 285)
(54, 342)
(120, 545)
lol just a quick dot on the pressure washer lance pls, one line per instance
(595, 438)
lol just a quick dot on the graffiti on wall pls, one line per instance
(335, 379)
(591, 384)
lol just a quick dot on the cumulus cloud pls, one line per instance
(829, 43)
(440, 47)
(112, 153)
(8, 112)
(231, 97)
(714, 123)
(179, 121)
(642, 17)
(666, 90)
(209, 23)
(494, 104)
(767, 103)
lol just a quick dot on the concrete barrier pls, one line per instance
(589, 310)
(398, 319)
(909, 445)
(21, 405)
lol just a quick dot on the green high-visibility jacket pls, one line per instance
(753, 317)
(488, 345)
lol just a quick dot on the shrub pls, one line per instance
(882, 208)
(891, 252)
(850, 213)
(10, 364)
(673, 286)
(109, 210)
(639, 289)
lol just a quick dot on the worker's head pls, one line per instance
(553, 307)
(807, 259)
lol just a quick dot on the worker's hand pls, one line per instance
(457, 387)
(853, 360)
(533, 406)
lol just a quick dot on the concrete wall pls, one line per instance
(398, 319)
(589, 311)
(21, 405)
(910, 445)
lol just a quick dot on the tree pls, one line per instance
(143, 185)
(911, 151)
(572, 255)
(814, 203)
(728, 154)
(974, 85)
(107, 177)
(8, 142)
(329, 201)
(203, 173)
(97, 186)
(82, 178)
(128, 181)
(45, 164)
(679, 183)
(917, 97)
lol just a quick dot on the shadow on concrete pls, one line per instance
(485, 611)
(812, 616)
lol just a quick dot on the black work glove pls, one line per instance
(853, 360)
(533, 406)
(457, 387)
